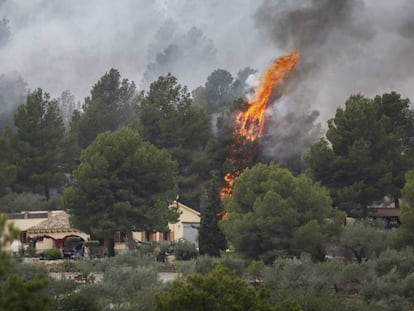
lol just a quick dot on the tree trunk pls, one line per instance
(130, 240)
(356, 254)
(109, 244)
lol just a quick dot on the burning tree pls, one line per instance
(249, 123)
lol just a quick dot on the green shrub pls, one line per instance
(237, 265)
(131, 259)
(217, 290)
(124, 288)
(186, 267)
(204, 265)
(30, 251)
(79, 302)
(52, 254)
(128, 259)
(255, 270)
(68, 265)
(185, 250)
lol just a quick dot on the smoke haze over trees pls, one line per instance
(78, 41)
(12, 93)
(347, 47)
(76, 45)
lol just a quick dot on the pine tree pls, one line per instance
(108, 108)
(211, 239)
(36, 146)
(123, 183)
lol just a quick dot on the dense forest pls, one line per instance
(130, 152)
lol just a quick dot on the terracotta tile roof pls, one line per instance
(56, 223)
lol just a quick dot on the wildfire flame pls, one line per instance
(249, 124)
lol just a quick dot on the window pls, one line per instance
(120, 237)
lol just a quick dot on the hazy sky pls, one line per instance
(60, 45)
(351, 46)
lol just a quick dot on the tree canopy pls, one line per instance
(18, 292)
(7, 169)
(217, 290)
(221, 89)
(364, 240)
(109, 107)
(169, 119)
(36, 148)
(367, 150)
(211, 239)
(405, 234)
(272, 213)
(122, 184)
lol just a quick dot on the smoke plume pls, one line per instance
(347, 47)
(192, 49)
(12, 93)
(69, 45)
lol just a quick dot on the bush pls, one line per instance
(52, 254)
(124, 288)
(68, 266)
(186, 267)
(217, 290)
(78, 301)
(255, 270)
(204, 265)
(237, 265)
(127, 259)
(30, 251)
(185, 250)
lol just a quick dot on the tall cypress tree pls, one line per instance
(210, 237)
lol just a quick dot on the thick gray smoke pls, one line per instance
(12, 93)
(289, 133)
(191, 49)
(4, 32)
(69, 45)
(347, 47)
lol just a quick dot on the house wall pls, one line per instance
(31, 219)
(188, 216)
(22, 225)
(49, 243)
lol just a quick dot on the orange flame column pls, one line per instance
(249, 124)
